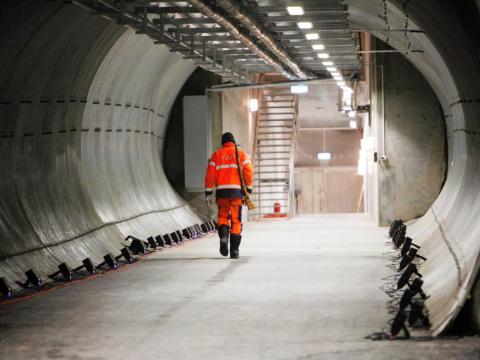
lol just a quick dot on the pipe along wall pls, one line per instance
(84, 105)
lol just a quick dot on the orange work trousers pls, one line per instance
(230, 214)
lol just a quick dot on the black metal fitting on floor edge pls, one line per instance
(5, 289)
(160, 241)
(174, 237)
(407, 245)
(409, 305)
(108, 260)
(63, 270)
(407, 259)
(152, 244)
(125, 253)
(186, 234)
(137, 246)
(167, 240)
(407, 274)
(32, 280)
(398, 324)
(393, 226)
(87, 264)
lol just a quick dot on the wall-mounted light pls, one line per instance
(312, 36)
(295, 10)
(324, 156)
(299, 89)
(305, 25)
(253, 105)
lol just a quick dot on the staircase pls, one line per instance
(274, 153)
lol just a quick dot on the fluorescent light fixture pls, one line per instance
(332, 69)
(351, 114)
(305, 25)
(323, 55)
(353, 124)
(327, 63)
(337, 78)
(295, 10)
(312, 36)
(324, 156)
(318, 47)
(299, 89)
(335, 73)
(341, 83)
(253, 105)
(347, 90)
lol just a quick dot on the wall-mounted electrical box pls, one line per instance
(197, 140)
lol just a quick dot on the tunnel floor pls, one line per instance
(303, 289)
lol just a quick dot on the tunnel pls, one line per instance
(103, 141)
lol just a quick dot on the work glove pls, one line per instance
(249, 191)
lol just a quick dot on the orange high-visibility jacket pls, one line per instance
(222, 172)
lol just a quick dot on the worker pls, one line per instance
(223, 176)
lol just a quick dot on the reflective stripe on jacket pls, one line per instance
(222, 172)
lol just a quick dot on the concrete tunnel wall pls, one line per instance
(84, 107)
(449, 232)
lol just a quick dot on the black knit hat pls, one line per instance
(228, 137)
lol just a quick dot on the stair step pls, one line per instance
(274, 152)
(278, 107)
(285, 127)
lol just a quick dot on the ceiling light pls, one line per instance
(324, 156)
(323, 55)
(351, 114)
(253, 105)
(341, 83)
(335, 73)
(312, 36)
(338, 78)
(305, 25)
(318, 47)
(299, 89)
(332, 69)
(295, 10)
(327, 63)
(353, 124)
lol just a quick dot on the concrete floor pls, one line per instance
(303, 289)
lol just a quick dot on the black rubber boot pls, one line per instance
(234, 245)
(223, 232)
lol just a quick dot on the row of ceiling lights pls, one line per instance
(305, 25)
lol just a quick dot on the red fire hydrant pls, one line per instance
(277, 207)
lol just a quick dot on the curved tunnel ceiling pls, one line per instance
(84, 105)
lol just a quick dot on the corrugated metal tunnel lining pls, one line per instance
(448, 58)
(84, 110)
(84, 105)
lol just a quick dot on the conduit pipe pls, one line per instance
(234, 10)
(233, 30)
